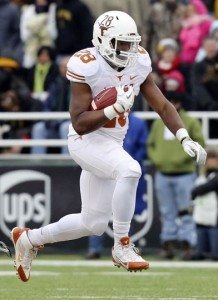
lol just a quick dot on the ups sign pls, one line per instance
(34, 196)
(24, 199)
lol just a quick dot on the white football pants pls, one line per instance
(108, 186)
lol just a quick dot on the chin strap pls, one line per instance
(4, 248)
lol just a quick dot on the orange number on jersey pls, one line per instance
(112, 123)
(141, 50)
(122, 120)
(85, 56)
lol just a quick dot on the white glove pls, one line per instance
(194, 149)
(124, 102)
(190, 147)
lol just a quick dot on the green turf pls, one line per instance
(111, 283)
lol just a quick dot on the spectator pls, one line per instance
(169, 60)
(163, 22)
(175, 82)
(213, 35)
(10, 43)
(195, 27)
(174, 180)
(205, 214)
(12, 101)
(41, 80)
(204, 82)
(214, 30)
(57, 100)
(11, 77)
(74, 25)
(167, 63)
(205, 77)
(135, 145)
(43, 74)
(167, 74)
(62, 96)
(37, 29)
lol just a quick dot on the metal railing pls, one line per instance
(203, 116)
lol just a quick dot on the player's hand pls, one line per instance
(125, 100)
(194, 149)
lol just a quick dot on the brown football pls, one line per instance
(105, 98)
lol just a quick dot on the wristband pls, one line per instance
(110, 112)
(181, 134)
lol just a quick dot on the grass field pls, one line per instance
(63, 277)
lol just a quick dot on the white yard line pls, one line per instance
(118, 273)
(33, 273)
(81, 273)
(108, 263)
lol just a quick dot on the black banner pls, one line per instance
(34, 196)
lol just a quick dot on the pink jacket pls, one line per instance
(194, 31)
(191, 38)
(200, 7)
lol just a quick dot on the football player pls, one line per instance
(109, 175)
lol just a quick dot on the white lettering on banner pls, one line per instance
(18, 209)
(40, 212)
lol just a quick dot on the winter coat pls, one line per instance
(75, 26)
(10, 43)
(192, 35)
(37, 29)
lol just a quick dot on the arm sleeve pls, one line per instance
(82, 66)
(25, 33)
(75, 72)
(210, 186)
(52, 27)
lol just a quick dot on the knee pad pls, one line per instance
(129, 168)
(95, 222)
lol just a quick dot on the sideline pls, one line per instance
(107, 263)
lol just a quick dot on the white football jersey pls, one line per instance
(88, 66)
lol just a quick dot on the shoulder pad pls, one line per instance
(82, 65)
(144, 58)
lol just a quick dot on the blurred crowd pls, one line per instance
(38, 37)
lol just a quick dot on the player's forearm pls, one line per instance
(88, 121)
(171, 118)
(161, 105)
